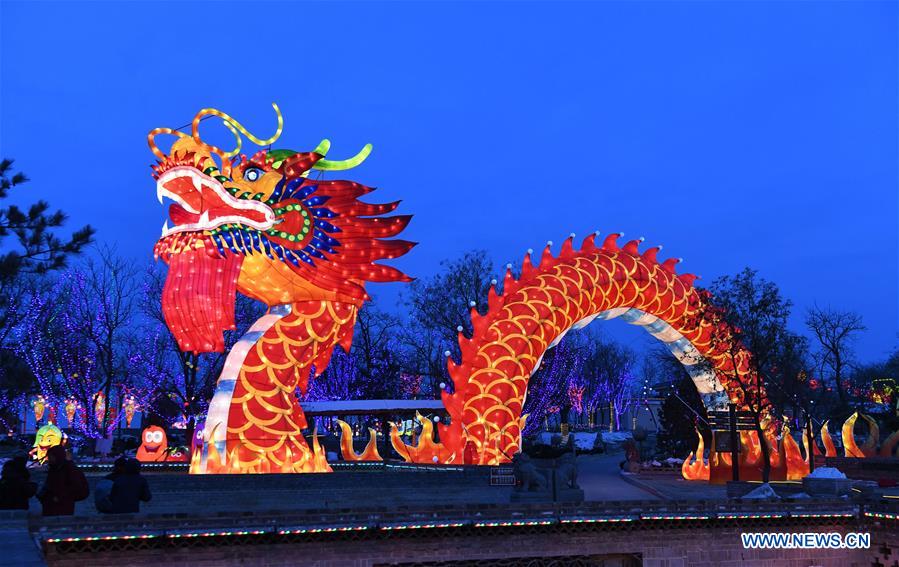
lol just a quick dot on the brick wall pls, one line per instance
(655, 548)
(713, 540)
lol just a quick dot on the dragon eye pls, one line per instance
(252, 174)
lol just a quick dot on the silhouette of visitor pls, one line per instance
(65, 484)
(129, 489)
(103, 488)
(16, 487)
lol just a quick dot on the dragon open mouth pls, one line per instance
(203, 203)
(199, 292)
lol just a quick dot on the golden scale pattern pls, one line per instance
(545, 302)
(265, 421)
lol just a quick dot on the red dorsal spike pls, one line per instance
(508, 280)
(547, 257)
(688, 279)
(651, 253)
(589, 243)
(610, 244)
(567, 247)
(527, 267)
(633, 246)
(669, 264)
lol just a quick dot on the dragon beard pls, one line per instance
(198, 296)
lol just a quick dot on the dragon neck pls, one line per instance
(254, 408)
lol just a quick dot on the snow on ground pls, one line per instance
(584, 440)
(764, 492)
(826, 472)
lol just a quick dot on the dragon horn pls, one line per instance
(323, 147)
(341, 165)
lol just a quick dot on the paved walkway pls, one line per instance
(599, 476)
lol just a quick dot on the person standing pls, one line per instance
(103, 488)
(65, 484)
(129, 489)
(16, 487)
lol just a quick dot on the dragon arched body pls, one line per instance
(569, 291)
(306, 248)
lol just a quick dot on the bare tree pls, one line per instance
(835, 332)
(749, 312)
(439, 307)
(103, 296)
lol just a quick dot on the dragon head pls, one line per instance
(260, 226)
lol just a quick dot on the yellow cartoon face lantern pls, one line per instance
(47, 436)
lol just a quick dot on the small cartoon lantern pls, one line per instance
(129, 406)
(178, 455)
(71, 406)
(154, 445)
(100, 407)
(46, 437)
(39, 404)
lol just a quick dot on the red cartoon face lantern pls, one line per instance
(179, 455)
(154, 445)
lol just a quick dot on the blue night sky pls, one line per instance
(737, 134)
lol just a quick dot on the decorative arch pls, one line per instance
(568, 291)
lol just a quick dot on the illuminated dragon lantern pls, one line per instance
(305, 248)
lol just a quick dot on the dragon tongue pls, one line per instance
(198, 298)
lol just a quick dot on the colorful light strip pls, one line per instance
(678, 517)
(596, 520)
(823, 515)
(739, 516)
(317, 530)
(424, 526)
(882, 515)
(463, 523)
(515, 523)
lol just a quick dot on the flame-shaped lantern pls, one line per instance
(696, 469)
(426, 450)
(786, 458)
(370, 453)
(245, 462)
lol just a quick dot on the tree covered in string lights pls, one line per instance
(549, 386)
(33, 252)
